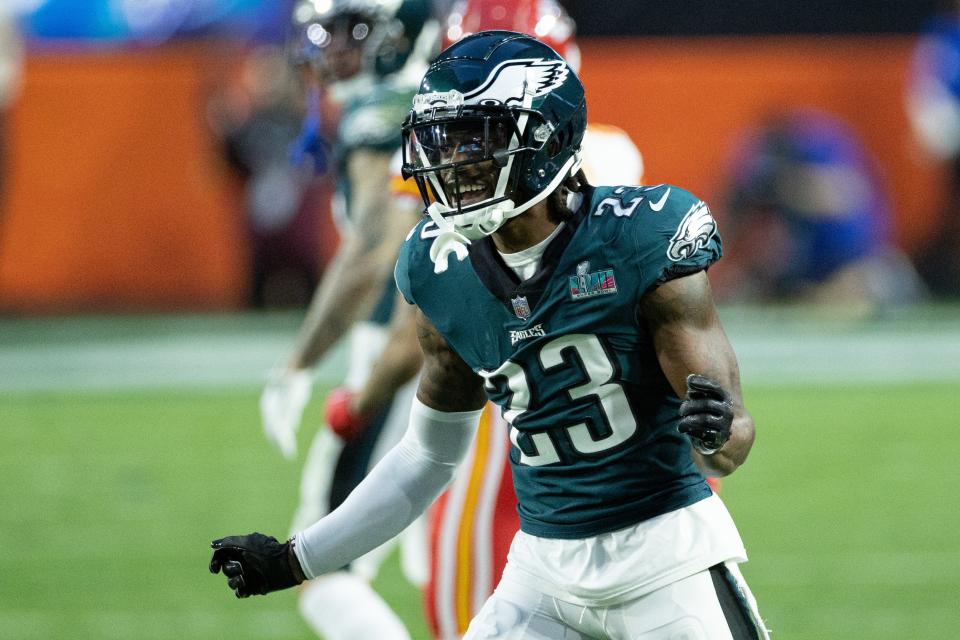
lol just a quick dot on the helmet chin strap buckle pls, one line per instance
(454, 238)
(448, 241)
(457, 232)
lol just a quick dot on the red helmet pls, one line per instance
(545, 20)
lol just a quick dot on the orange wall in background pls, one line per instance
(118, 199)
(684, 101)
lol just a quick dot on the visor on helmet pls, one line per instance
(435, 145)
(464, 162)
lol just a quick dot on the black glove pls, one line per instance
(255, 564)
(706, 414)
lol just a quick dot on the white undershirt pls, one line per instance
(524, 263)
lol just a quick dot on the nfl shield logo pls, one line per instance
(521, 307)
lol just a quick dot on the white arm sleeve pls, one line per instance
(398, 489)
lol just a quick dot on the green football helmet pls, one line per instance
(495, 128)
(390, 33)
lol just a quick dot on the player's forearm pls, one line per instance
(387, 376)
(381, 507)
(401, 487)
(362, 264)
(397, 365)
(734, 453)
(349, 289)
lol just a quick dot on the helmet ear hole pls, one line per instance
(560, 140)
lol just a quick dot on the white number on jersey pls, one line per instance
(609, 395)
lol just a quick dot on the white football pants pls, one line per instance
(711, 605)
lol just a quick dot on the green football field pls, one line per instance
(127, 444)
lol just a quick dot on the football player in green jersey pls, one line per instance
(367, 56)
(586, 314)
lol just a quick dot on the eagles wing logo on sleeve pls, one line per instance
(695, 231)
(505, 84)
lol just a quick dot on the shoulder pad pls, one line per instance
(673, 232)
(374, 120)
(414, 250)
(680, 234)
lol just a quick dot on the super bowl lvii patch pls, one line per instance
(587, 284)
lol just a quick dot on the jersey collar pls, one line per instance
(501, 280)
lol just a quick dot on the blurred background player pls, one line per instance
(367, 57)
(933, 105)
(810, 220)
(284, 199)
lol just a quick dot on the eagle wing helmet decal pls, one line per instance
(694, 232)
(507, 82)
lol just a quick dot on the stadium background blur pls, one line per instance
(130, 362)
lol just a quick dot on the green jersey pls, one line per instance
(567, 356)
(372, 122)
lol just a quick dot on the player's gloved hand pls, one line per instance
(255, 564)
(341, 418)
(706, 414)
(281, 407)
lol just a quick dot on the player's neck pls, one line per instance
(524, 231)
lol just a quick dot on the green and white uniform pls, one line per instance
(568, 358)
(370, 121)
(611, 504)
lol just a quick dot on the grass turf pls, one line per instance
(847, 507)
